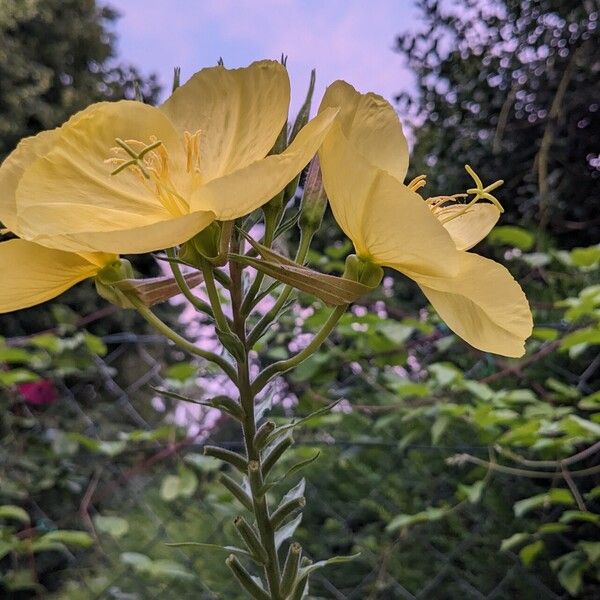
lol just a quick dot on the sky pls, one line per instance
(351, 40)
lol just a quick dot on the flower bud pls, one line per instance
(111, 274)
(314, 199)
(363, 270)
(204, 244)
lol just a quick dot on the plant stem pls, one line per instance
(248, 303)
(260, 508)
(285, 365)
(180, 341)
(269, 316)
(185, 289)
(213, 296)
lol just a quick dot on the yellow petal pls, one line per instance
(71, 189)
(239, 112)
(386, 221)
(483, 304)
(11, 171)
(468, 226)
(243, 191)
(31, 274)
(137, 240)
(372, 126)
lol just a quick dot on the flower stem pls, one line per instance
(260, 509)
(271, 315)
(213, 296)
(185, 289)
(248, 303)
(179, 340)
(285, 365)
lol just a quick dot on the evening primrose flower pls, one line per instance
(364, 160)
(32, 274)
(125, 177)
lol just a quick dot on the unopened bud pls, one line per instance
(204, 244)
(111, 274)
(363, 270)
(314, 199)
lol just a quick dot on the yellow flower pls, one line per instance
(125, 177)
(31, 274)
(364, 159)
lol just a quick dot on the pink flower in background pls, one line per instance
(38, 393)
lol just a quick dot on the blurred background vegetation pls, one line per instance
(455, 474)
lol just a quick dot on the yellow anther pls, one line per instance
(417, 183)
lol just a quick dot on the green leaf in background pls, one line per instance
(580, 339)
(439, 427)
(14, 355)
(181, 371)
(545, 334)
(570, 516)
(472, 492)
(116, 527)
(509, 235)
(445, 373)
(516, 539)
(528, 553)
(182, 485)
(206, 464)
(570, 569)
(430, 514)
(71, 538)
(556, 496)
(591, 550)
(16, 376)
(586, 257)
(94, 344)
(16, 513)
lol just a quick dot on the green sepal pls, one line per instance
(249, 537)
(334, 291)
(363, 270)
(234, 459)
(236, 490)
(290, 569)
(110, 275)
(156, 289)
(203, 245)
(246, 580)
(274, 453)
(286, 510)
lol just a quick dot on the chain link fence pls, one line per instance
(448, 559)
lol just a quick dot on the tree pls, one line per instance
(56, 57)
(512, 88)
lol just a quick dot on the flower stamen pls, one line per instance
(417, 183)
(150, 163)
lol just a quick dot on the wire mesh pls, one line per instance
(128, 484)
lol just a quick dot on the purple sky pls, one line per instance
(342, 39)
